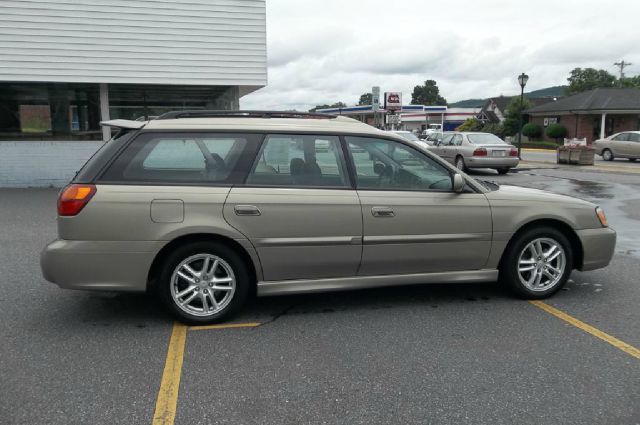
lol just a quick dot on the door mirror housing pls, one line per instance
(458, 183)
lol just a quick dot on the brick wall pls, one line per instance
(42, 164)
(584, 126)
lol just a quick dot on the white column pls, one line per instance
(104, 110)
(602, 123)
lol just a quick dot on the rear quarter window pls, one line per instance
(184, 158)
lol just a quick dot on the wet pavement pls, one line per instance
(441, 354)
(617, 194)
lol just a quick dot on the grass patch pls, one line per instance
(541, 144)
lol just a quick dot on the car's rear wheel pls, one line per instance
(632, 159)
(204, 282)
(503, 170)
(607, 155)
(460, 165)
(537, 263)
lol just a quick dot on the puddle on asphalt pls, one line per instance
(617, 200)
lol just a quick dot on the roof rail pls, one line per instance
(243, 114)
(125, 124)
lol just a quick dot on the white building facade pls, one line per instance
(67, 65)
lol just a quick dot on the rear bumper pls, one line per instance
(491, 162)
(99, 265)
(598, 246)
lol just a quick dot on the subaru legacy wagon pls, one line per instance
(208, 207)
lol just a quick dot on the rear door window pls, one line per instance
(299, 160)
(176, 158)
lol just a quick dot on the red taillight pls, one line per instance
(74, 197)
(480, 152)
(514, 152)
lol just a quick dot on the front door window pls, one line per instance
(384, 164)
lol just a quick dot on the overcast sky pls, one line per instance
(334, 50)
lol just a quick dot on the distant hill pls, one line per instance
(555, 91)
(468, 103)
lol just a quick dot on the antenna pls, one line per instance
(622, 65)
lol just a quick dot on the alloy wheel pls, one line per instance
(541, 264)
(202, 285)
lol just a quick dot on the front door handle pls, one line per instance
(382, 212)
(247, 210)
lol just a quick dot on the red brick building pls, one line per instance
(593, 114)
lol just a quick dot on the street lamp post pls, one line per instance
(522, 79)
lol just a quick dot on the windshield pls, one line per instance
(485, 139)
(408, 135)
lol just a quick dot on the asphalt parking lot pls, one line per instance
(433, 354)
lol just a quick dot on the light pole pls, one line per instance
(522, 79)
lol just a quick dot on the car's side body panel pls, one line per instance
(300, 233)
(428, 232)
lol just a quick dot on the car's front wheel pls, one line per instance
(537, 263)
(607, 155)
(203, 282)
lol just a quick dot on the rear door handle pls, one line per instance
(247, 210)
(382, 212)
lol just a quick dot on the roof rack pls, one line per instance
(243, 114)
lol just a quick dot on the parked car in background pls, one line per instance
(476, 150)
(432, 128)
(206, 207)
(409, 136)
(619, 145)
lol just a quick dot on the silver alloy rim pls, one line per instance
(541, 264)
(202, 285)
(460, 164)
(607, 155)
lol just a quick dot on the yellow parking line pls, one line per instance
(227, 326)
(167, 401)
(629, 349)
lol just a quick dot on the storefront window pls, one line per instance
(65, 111)
(49, 111)
(140, 102)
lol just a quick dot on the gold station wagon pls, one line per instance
(206, 207)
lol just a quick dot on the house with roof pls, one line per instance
(593, 114)
(494, 109)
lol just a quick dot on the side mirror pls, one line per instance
(458, 183)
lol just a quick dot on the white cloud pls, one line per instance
(335, 50)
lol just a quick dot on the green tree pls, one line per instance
(471, 124)
(333, 105)
(556, 131)
(631, 82)
(366, 99)
(512, 115)
(532, 131)
(494, 128)
(589, 78)
(427, 94)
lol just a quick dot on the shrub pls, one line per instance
(497, 129)
(471, 124)
(556, 131)
(532, 131)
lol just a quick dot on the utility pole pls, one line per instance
(622, 65)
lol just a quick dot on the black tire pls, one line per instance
(460, 165)
(228, 255)
(607, 155)
(632, 159)
(503, 170)
(509, 275)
